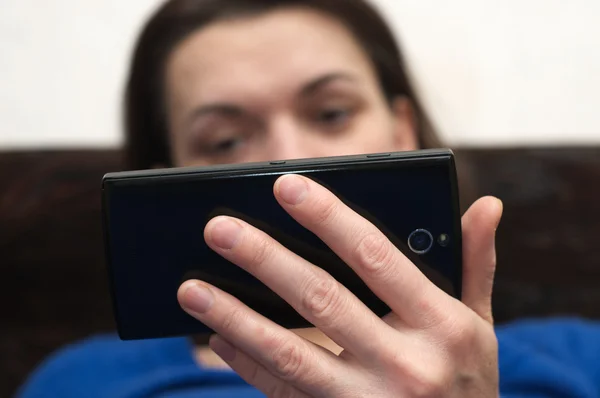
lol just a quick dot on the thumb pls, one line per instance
(479, 226)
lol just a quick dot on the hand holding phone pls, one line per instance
(430, 344)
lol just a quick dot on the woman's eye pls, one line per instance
(333, 116)
(224, 146)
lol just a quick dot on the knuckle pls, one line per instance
(255, 375)
(280, 390)
(430, 381)
(465, 334)
(288, 361)
(374, 253)
(428, 377)
(260, 378)
(322, 300)
(429, 389)
(459, 333)
(325, 211)
(261, 250)
(431, 313)
(233, 320)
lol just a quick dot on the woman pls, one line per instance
(225, 81)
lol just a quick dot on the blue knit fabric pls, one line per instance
(551, 358)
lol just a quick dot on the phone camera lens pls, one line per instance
(420, 241)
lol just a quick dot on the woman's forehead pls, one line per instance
(274, 52)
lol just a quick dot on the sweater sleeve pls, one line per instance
(99, 366)
(549, 358)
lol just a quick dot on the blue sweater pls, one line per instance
(553, 358)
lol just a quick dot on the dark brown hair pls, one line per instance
(147, 138)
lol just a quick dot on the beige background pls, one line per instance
(493, 72)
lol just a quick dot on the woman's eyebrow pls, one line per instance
(321, 81)
(222, 109)
(219, 108)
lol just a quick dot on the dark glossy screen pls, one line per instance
(155, 237)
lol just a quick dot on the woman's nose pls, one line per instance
(289, 140)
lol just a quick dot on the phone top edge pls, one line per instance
(332, 160)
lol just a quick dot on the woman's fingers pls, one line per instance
(388, 272)
(311, 291)
(253, 372)
(285, 355)
(479, 226)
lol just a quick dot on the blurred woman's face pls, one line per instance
(291, 83)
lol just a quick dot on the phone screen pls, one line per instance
(155, 237)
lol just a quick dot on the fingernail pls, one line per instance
(292, 189)
(226, 233)
(222, 348)
(198, 298)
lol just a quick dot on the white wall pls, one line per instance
(62, 66)
(492, 72)
(499, 72)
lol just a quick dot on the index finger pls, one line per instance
(384, 268)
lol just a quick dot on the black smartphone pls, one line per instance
(154, 222)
